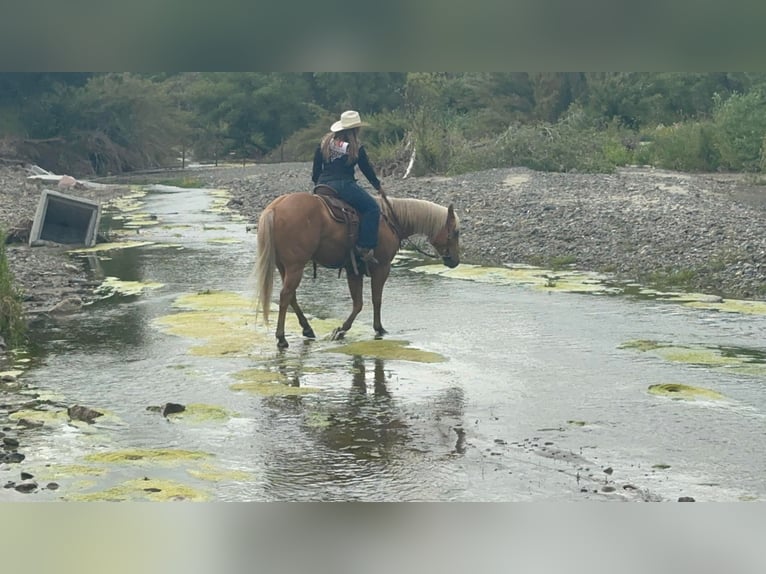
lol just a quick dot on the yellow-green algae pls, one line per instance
(641, 345)
(679, 391)
(266, 383)
(225, 334)
(733, 361)
(112, 285)
(562, 280)
(388, 349)
(169, 456)
(60, 471)
(45, 417)
(140, 219)
(151, 489)
(12, 373)
(227, 322)
(224, 240)
(211, 473)
(731, 306)
(197, 412)
(110, 246)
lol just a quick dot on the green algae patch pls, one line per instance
(139, 220)
(731, 306)
(266, 383)
(388, 349)
(128, 202)
(272, 389)
(111, 246)
(570, 281)
(114, 286)
(661, 466)
(225, 334)
(224, 240)
(62, 471)
(696, 356)
(641, 345)
(168, 456)
(148, 489)
(199, 413)
(679, 391)
(44, 417)
(210, 473)
(740, 360)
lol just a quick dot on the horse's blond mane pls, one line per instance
(418, 216)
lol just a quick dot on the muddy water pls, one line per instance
(485, 389)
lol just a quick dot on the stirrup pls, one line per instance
(367, 255)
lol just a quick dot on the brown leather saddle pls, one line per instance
(339, 210)
(343, 213)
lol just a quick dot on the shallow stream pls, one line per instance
(492, 385)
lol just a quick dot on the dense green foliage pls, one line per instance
(112, 122)
(12, 326)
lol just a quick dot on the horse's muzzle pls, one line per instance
(450, 262)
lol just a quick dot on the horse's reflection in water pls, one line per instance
(359, 382)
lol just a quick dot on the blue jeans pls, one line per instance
(369, 212)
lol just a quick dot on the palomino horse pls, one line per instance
(297, 228)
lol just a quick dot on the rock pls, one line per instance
(68, 305)
(10, 442)
(12, 457)
(686, 499)
(26, 476)
(85, 414)
(26, 487)
(52, 486)
(171, 408)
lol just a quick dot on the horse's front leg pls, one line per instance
(307, 330)
(378, 280)
(355, 288)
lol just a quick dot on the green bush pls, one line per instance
(12, 326)
(574, 143)
(739, 127)
(684, 147)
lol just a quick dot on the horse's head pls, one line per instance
(447, 241)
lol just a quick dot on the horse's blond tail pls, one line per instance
(265, 262)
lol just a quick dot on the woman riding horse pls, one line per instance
(334, 160)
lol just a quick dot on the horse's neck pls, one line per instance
(418, 216)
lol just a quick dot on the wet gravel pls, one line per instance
(674, 230)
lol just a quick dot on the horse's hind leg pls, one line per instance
(307, 330)
(291, 278)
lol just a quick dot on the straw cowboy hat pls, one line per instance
(348, 120)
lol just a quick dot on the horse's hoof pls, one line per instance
(309, 334)
(282, 343)
(380, 332)
(337, 334)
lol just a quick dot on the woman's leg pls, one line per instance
(369, 213)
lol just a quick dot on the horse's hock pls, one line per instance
(65, 219)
